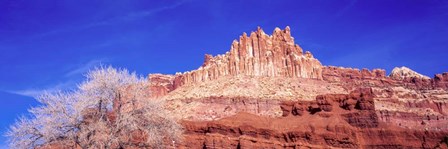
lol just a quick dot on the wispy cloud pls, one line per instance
(83, 68)
(29, 92)
(142, 14)
(118, 19)
(346, 8)
(35, 92)
(71, 80)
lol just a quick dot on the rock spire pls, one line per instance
(258, 54)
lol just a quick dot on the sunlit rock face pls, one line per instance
(401, 73)
(266, 92)
(258, 54)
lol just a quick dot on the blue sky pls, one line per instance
(49, 45)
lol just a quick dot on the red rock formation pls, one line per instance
(410, 108)
(160, 84)
(250, 131)
(404, 77)
(212, 108)
(257, 55)
(441, 80)
(340, 74)
(310, 124)
(353, 108)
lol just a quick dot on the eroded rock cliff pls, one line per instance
(267, 93)
(331, 121)
(258, 54)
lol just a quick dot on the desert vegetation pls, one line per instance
(112, 108)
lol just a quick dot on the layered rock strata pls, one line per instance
(331, 121)
(352, 77)
(258, 54)
(237, 101)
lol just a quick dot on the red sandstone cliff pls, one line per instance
(331, 121)
(266, 93)
(257, 55)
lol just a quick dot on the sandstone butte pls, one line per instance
(267, 93)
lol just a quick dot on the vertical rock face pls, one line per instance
(160, 84)
(258, 54)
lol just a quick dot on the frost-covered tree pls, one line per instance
(56, 119)
(108, 110)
